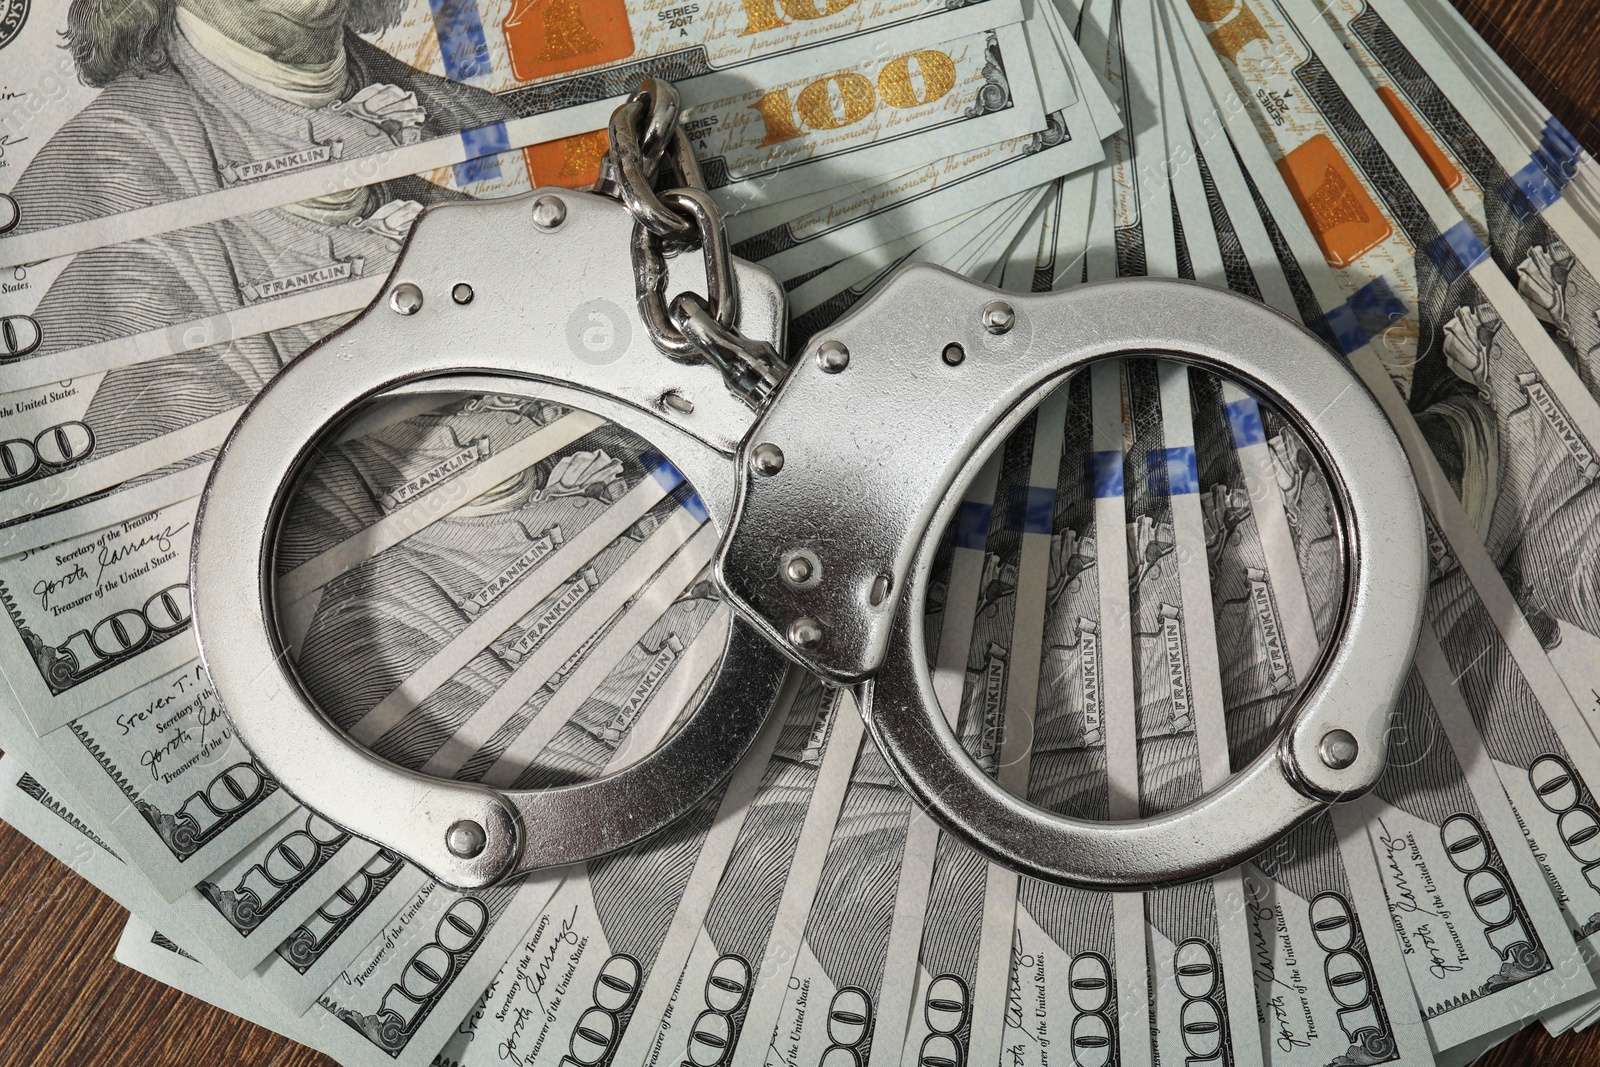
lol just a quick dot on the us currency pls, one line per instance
(248, 898)
(1530, 726)
(969, 242)
(575, 984)
(1078, 962)
(1517, 104)
(482, 556)
(291, 110)
(1474, 608)
(92, 617)
(403, 996)
(948, 187)
(724, 1000)
(97, 614)
(1329, 979)
(1107, 985)
(65, 440)
(830, 1004)
(161, 768)
(843, 958)
(1512, 197)
(1535, 237)
(409, 644)
(1484, 948)
(1504, 413)
(313, 955)
(956, 588)
(1202, 997)
(38, 806)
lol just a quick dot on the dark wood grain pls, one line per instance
(64, 1002)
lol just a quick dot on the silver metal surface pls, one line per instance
(766, 459)
(832, 356)
(583, 280)
(549, 212)
(689, 327)
(405, 299)
(998, 316)
(1338, 749)
(872, 508)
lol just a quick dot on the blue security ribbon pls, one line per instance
(1105, 473)
(1173, 471)
(1456, 251)
(1032, 509)
(972, 524)
(1244, 419)
(671, 480)
(483, 145)
(1370, 310)
(1549, 169)
(462, 44)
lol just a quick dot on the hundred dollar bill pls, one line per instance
(963, 978)
(161, 769)
(1203, 1002)
(1505, 414)
(1078, 962)
(1516, 103)
(1483, 945)
(237, 112)
(575, 984)
(610, 682)
(965, 244)
(1329, 978)
(938, 243)
(247, 907)
(467, 599)
(736, 959)
(950, 186)
(1482, 648)
(96, 616)
(100, 613)
(249, 901)
(1267, 644)
(1511, 196)
(310, 959)
(402, 996)
(1530, 726)
(1331, 983)
(830, 1002)
(956, 588)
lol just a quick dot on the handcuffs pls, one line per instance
(854, 458)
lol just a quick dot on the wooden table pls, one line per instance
(64, 1002)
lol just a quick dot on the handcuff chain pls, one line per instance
(650, 166)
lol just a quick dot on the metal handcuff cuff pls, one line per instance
(876, 403)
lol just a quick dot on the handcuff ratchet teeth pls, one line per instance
(855, 458)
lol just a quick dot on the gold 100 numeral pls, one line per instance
(844, 99)
(762, 15)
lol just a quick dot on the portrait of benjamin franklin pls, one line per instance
(204, 95)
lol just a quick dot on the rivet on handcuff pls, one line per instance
(836, 582)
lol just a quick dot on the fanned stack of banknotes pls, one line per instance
(195, 193)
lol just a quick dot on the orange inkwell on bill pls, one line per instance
(1343, 216)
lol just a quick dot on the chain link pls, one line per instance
(651, 168)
